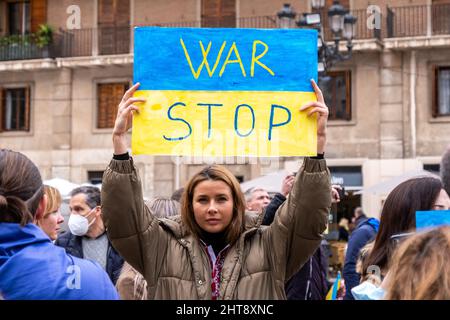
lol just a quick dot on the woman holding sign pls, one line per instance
(214, 249)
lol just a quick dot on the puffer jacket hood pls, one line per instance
(32, 267)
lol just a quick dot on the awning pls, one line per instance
(387, 186)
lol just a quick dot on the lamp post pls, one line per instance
(340, 21)
(286, 17)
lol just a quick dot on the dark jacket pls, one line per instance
(365, 230)
(73, 246)
(310, 282)
(32, 268)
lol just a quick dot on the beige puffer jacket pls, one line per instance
(175, 265)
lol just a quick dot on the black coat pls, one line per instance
(73, 246)
(365, 231)
(310, 282)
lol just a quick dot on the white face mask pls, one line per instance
(79, 225)
(368, 291)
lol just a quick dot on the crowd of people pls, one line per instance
(211, 240)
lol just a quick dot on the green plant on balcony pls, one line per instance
(27, 46)
(44, 36)
(16, 39)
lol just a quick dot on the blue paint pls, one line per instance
(160, 61)
(236, 115)
(272, 115)
(435, 218)
(178, 119)
(209, 105)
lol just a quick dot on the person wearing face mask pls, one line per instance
(50, 221)
(87, 238)
(31, 267)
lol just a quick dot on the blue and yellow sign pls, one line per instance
(224, 92)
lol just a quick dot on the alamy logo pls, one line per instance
(74, 279)
(373, 17)
(74, 19)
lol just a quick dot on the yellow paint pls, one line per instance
(256, 59)
(205, 57)
(297, 138)
(238, 60)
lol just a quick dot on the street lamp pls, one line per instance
(341, 23)
(336, 18)
(286, 17)
(317, 4)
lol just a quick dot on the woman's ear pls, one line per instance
(40, 212)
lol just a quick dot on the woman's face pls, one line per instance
(50, 223)
(213, 205)
(442, 202)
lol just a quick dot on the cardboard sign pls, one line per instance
(435, 218)
(224, 92)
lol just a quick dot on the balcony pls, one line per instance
(397, 23)
(23, 47)
(421, 20)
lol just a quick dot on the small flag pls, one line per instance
(332, 294)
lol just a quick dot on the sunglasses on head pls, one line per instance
(399, 237)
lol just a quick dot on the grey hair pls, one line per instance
(445, 170)
(164, 207)
(93, 197)
(249, 193)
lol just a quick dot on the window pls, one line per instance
(19, 18)
(15, 109)
(219, 13)
(114, 26)
(95, 177)
(441, 104)
(109, 96)
(336, 89)
(433, 168)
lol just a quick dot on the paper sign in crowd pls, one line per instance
(224, 92)
(429, 219)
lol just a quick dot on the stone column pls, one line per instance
(61, 106)
(391, 120)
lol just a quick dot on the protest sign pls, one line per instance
(432, 218)
(224, 92)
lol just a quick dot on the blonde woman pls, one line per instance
(51, 220)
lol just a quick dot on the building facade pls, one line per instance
(389, 104)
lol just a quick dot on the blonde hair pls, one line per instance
(53, 199)
(215, 173)
(420, 268)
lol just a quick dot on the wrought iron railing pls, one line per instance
(421, 20)
(406, 21)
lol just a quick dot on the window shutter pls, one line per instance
(105, 13)
(219, 13)
(348, 88)
(434, 102)
(27, 109)
(228, 13)
(104, 91)
(38, 14)
(109, 97)
(113, 23)
(210, 13)
(122, 12)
